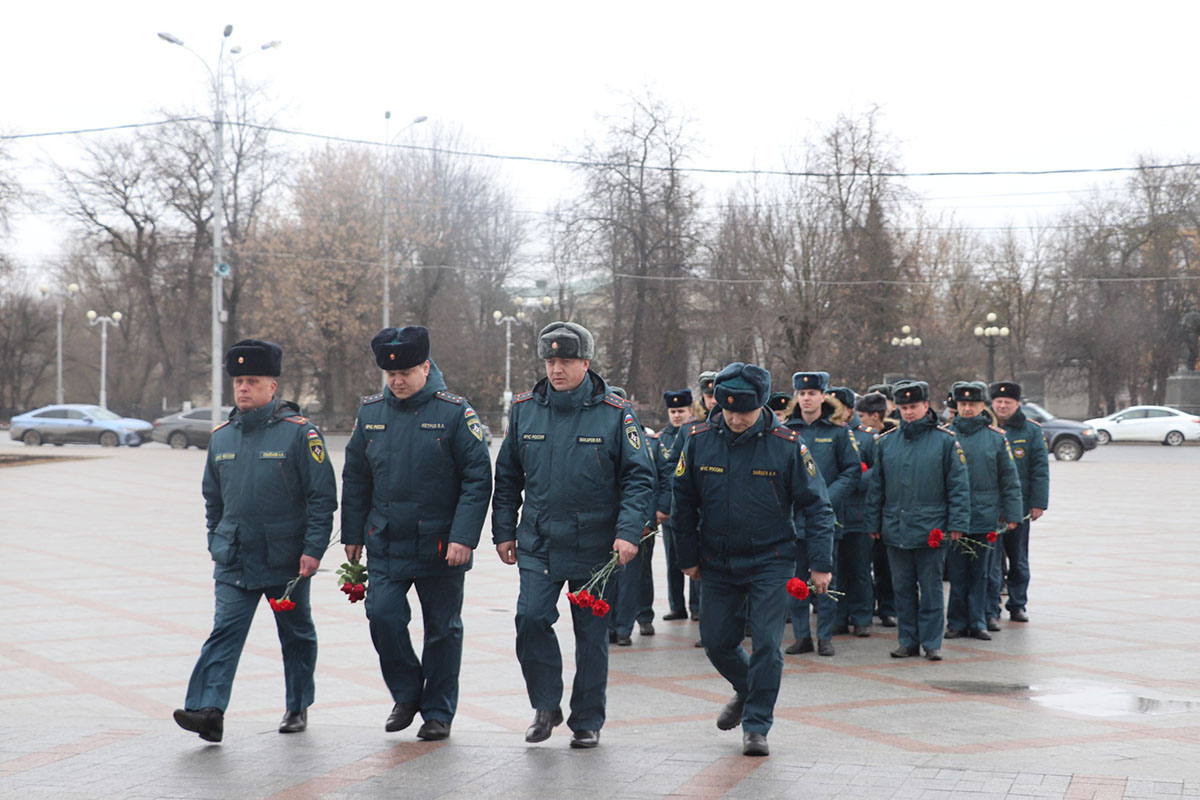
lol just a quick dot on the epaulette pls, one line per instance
(222, 425)
(616, 400)
(945, 430)
(1035, 422)
(785, 433)
(371, 398)
(522, 397)
(297, 420)
(699, 427)
(997, 429)
(450, 397)
(885, 433)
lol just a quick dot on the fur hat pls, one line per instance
(871, 403)
(254, 357)
(1005, 389)
(680, 399)
(969, 392)
(742, 387)
(400, 348)
(910, 392)
(810, 380)
(566, 340)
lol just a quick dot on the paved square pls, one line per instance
(107, 597)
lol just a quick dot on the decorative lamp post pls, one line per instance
(991, 335)
(906, 342)
(114, 320)
(220, 269)
(59, 296)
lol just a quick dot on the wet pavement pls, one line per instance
(107, 599)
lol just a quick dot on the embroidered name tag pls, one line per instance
(707, 468)
(823, 441)
(224, 456)
(275, 455)
(533, 437)
(763, 473)
(433, 426)
(590, 439)
(374, 426)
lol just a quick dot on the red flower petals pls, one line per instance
(797, 589)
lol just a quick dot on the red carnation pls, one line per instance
(273, 603)
(585, 599)
(797, 589)
(864, 466)
(600, 608)
(991, 537)
(935, 537)
(286, 605)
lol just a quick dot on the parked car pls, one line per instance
(87, 424)
(1148, 424)
(1067, 439)
(187, 427)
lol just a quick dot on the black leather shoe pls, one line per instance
(294, 722)
(804, 645)
(401, 717)
(824, 647)
(862, 631)
(1018, 615)
(434, 730)
(582, 740)
(906, 652)
(983, 636)
(755, 744)
(993, 624)
(953, 633)
(208, 722)
(623, 641)
(695, 616)
(731, 715)
(646, 628)
(887, 621)
(934, 654)
(699, 643)
(674, 615)
(543, 723)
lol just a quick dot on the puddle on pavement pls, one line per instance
(1095, 700)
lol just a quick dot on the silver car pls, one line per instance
(187, 427)
(72, 422)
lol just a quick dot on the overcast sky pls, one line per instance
(962, 86)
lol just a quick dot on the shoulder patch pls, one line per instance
(614, 400)
(522, 397)
(298, 420)
(785, 433)
(371, 398)
(222, 425)
(450, 397)
(699, 427)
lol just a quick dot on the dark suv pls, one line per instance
(1066, 438)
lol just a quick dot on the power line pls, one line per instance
(77, 131)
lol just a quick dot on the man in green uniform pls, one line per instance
(575, 458)
(269, 498)
(415, 491)
(919, 495)
(679, 413)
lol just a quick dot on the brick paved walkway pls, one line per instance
(107, 598)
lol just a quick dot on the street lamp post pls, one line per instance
(906, 342)
(114, 320)
(991, 335)
(507, 321)
(219, 268)
(385, 260)
(59, 296)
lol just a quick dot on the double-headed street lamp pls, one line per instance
(385, 258)
(59, 296)
(507, 321)
(906, 342)
(220, 268)
(114, 320)
(991, 335)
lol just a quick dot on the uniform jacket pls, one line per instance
(664, 469)
(736, 498)
(1033, 462)
(837, 461)
(269, 495)
(995, 487)
(850, 515)
(417, 478)
(580, 465)
(919, 482)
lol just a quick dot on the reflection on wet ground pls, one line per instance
(1077, 697)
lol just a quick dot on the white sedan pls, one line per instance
(1147, 424)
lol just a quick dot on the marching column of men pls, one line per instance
(751, 491)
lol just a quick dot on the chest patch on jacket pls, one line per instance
(1018, 452)
(374, 426)
(533, 437)
(433, 426)
(764, 473)
(709, 468)
(589, 439)
(224, 457)
(273, 455)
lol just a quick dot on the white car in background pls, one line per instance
(1147, 424)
